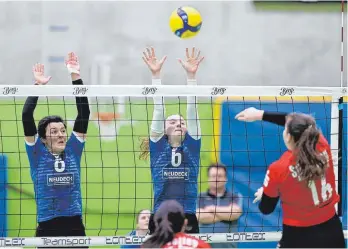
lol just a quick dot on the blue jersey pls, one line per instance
(56, 179)
(175, 172)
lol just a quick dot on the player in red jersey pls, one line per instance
(303, 178)
(170, 223)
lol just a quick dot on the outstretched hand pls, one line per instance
(250, 114)
(72, 63)
(258, 195)
(39, 74)
(192, 62)
(152, 62)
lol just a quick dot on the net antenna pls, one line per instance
(104, 114)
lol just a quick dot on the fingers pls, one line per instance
(153, 52)
(163, 59)
(198, 54)
(187, 54)
(181, 63)
(71, 59)
(145, 60)
(193, 52)
(38, 68)
(148, 52)
(239, 115)
(201, 59)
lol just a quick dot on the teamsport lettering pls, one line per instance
(12, 242)
(171, 174)
(121, 240)
(60, 179)
(245, 237)
(66, 242)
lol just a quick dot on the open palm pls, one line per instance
(39, 74)
(151, 60)
(72, 63)
(192, 61)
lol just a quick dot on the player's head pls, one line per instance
(175, 128)
(52, 132)
(217, 176)
(301, 136)
(143, 218)
(169, 220)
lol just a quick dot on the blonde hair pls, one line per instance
(144, 148)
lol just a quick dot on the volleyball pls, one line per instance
(185, 22)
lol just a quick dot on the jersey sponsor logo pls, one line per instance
(176, 173)
(60, 179)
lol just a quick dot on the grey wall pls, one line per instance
(241, 46)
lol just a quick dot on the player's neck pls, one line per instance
(141, 232)
(174, 143)
(218, 192)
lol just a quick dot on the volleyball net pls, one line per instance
(116, 184)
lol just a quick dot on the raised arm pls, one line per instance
(191, 65)
(158, 118)
(82, 105)
(28, 121)
(252, 114)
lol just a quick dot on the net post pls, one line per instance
(334, 138)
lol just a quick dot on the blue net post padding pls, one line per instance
(344, 164)
(3, 195)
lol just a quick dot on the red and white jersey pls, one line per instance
(303, 205)
(184, 241)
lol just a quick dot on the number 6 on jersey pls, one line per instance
(176, 159)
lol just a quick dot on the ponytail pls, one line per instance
(163, 234)
(144, 148)
(312, 164)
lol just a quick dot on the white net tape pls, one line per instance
(165, 90)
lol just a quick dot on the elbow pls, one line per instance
(266, 210)
(268, 204)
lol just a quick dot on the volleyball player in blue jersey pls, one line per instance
(174, 145)
(55, 161)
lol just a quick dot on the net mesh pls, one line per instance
(116, 184)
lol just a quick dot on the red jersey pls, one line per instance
(184, 241)
(303, 205)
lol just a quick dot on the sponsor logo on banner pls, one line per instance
(4, 242)
(149, 90)
(125, 240)
(286, 91)
(60, 179)
(218, 91)
(176, 174)
(9, 90)
(66, 241)
(80, 90)
(252, 236)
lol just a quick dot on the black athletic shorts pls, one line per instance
(62, 227)
(325, 235)
(192, 224)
